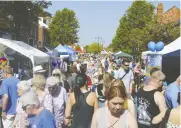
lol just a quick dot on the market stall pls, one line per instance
(168, 60)
(36, 56)
(173, 46)
(171, 65)
(122, 54)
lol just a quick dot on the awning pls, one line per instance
(118, 53)
(37, 57)
(122, 54)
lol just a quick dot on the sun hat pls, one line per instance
(38, 69)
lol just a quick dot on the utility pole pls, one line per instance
(98, 38)
(103, 44)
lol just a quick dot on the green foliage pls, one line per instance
(64, 28)
(139, 26)
(93, 48)
(18, 17)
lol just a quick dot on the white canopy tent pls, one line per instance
(174, 46)
(36, 56)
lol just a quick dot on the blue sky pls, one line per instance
(100, 18)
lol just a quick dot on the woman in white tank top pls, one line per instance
(114, 115)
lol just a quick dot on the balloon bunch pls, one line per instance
(56, 62)
(155, 47)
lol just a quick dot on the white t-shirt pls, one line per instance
(126, 79)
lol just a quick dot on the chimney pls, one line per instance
(160, 9)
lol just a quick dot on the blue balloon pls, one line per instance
(159, 46)
(54, 63)
(151, 46)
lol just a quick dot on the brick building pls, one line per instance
(37, 37)
(43, 37)
(171, 15)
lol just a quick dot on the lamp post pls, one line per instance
(98, 39)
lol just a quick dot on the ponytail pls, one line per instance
(77, 93)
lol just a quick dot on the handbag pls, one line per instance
(163, 123)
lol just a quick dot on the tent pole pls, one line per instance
(33, 63)
(49, 66)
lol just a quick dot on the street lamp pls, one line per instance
(98, 38)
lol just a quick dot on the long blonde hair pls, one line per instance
(39, 82)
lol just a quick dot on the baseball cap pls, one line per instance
(29, 98)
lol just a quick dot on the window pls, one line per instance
(31, 42)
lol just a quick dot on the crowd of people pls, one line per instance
(93, 92)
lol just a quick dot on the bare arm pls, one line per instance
(5, 102)
(157, 119)
(160, 101)
(131, 108)
(4, 107)
(95, 102)
(68, 110)
(131, 121)
(94, 119)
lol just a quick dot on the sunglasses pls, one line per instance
(24, 107)
(52, 88)
(162, 80)
(56, 74)
(126, 65)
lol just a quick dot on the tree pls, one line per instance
(140, 25)
(64, 28)
(18, 17)
(93, 48)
